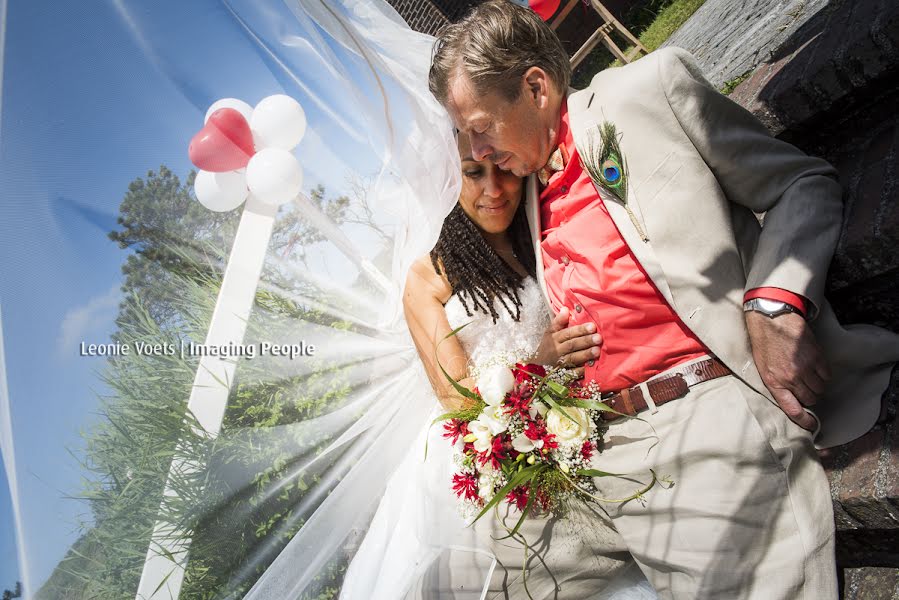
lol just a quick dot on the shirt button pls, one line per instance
(590, 363)
(564, 189)
(578, 308)
(565, 260)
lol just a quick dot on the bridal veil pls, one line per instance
(99, 102)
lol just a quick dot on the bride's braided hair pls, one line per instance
(475, 271)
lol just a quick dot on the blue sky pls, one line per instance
(94, 95)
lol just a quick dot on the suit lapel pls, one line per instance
(687, 268)
(582, 125)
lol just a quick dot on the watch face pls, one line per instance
(770, 306)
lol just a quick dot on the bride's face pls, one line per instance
(489, 195)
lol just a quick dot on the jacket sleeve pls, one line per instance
(799, 194)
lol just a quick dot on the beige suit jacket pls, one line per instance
(699, 166)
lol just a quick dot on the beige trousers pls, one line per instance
(749, 515)
(570, 558)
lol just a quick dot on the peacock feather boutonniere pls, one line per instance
(607, 166)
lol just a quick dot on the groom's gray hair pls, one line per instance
(494, 45)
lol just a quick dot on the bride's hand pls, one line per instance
(569, 346)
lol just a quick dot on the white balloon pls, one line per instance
(274, 176)
(239, 105)
(278, 122)
(221, 192)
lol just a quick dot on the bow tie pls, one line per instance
(555, 164)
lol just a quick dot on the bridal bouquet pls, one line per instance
(527, 439)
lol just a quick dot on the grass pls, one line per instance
(668, 21)
(652, 22)
(732, 84)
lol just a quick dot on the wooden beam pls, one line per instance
(558, 20)
(584, 50)
(610, 18)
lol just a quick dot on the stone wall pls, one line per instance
(832, 89)
(825, 77)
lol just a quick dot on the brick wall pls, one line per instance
(420, 15)
(454, 10)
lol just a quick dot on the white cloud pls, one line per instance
(81, 321)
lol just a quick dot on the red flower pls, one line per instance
(535, 429)
(524, 384)
(499, 451)
(465, 485)
(524, 372)
(454, 429)
(518, 497)
(517, 403)
(587, 449)
(549, 442)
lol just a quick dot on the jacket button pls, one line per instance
(590, 363)
(578, 307)
(565, 260)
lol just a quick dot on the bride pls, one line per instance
(481, 273)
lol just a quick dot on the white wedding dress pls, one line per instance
(418, 534)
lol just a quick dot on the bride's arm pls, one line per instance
(423, 299)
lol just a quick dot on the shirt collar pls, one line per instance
(559, 157)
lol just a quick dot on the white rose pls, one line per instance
(483, 440)
(495, 383)
(495, 418)
(568, 430)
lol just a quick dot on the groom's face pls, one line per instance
(511, 134)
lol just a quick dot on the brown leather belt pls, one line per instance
(670, 386)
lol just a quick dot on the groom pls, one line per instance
(641, 199)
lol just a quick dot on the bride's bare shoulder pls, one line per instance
(424, 282)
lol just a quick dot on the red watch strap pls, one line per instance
(781, 295)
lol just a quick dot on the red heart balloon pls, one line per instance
(224, 144)
(545, 8)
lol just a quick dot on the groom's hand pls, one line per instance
(568, 346)
(790, 362)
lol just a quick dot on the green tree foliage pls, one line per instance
(172, 235)
(14, 593)
(258, 482)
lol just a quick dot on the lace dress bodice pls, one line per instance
(507, 340)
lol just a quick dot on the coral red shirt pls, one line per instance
(589, 268)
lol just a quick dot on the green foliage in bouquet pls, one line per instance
(514, 445)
